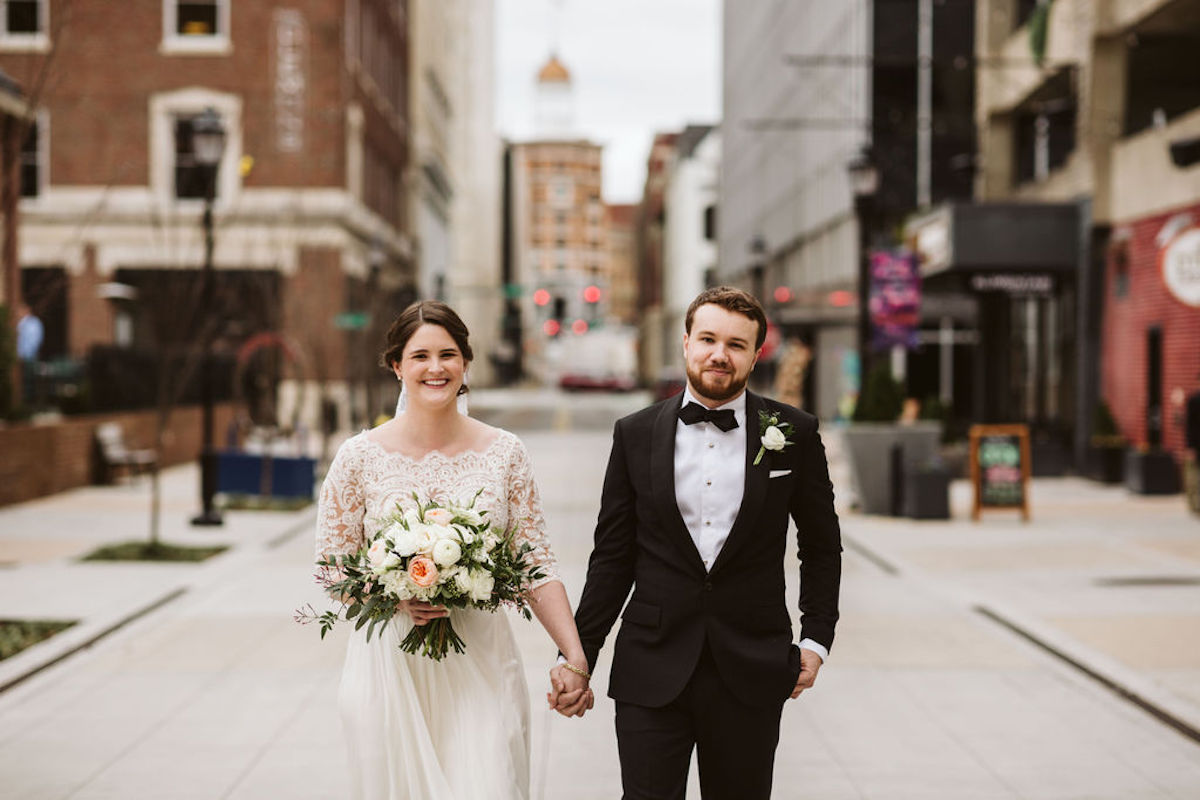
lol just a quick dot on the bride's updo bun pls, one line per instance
(425, 312)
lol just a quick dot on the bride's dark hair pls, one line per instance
(425, 312)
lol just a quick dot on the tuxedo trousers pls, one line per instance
(734, 742)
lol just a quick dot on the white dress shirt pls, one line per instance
(710, 479)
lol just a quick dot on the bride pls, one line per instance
(455, 729)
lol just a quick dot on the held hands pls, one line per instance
(569, 692)
(810, 663)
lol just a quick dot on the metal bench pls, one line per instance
(115, 455)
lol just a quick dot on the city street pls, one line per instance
(1052, 659)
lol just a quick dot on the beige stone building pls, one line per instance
(557, 231)
(454, 180)
(1086, 111)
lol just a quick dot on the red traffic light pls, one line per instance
(841, 298)
(782, 294)
(591, 294)
(579, 326)
(541, 297)
(551, 327)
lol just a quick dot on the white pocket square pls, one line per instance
(779, 473)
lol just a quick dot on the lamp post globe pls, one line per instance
(208, 146)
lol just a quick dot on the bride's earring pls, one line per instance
(402, 401)
(461, 400)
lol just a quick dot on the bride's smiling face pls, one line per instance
(432, 366)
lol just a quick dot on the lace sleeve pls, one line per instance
(340, 508)
(525, 511)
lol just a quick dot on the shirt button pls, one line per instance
(710, 444)
(708, 586)
(708, 483)
(708, 522)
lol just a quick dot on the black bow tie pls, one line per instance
(694, 412)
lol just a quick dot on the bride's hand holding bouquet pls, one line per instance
(426, 559)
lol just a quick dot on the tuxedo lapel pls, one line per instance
(662, 479)
(755, 490)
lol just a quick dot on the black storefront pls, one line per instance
(999, 310)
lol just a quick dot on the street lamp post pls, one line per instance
(208, 145)
(864, 181)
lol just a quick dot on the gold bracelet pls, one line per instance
(583, 673)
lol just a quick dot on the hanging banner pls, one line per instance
(895, 299)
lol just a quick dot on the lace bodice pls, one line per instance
(365, 482)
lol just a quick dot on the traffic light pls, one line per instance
(591, 294)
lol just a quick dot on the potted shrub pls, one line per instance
(1106, 453)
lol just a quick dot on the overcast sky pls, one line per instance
(637, 67)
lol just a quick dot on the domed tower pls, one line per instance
(554, 108)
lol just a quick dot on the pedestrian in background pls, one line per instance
(30, 333)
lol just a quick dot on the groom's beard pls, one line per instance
(719, 388)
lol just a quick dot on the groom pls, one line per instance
(694, 517)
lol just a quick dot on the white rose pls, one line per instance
(464, 535)
(377, 553)
(439, 516)
(391, 562)
(470, 516)
(391, 531)
(463, 579)
(482, 584)
(446, 552)
(397, 584)
(406, 542)
(442, 532)
(773, 438)
(412, 517)
(424, 537)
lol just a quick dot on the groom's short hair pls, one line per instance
(732, 299)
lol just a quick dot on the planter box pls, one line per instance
(242, 473)
(1153, 472)
(927, 494)
(870, 447)
(1105, 464)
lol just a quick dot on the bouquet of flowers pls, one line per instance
(445, 554)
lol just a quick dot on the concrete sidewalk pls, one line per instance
(217, 693)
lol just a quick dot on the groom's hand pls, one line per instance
(810, 663)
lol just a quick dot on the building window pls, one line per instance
(1119, 258)
(23, 24)
(710, 223)
(191, 179)
(31, 160)
(192, 26)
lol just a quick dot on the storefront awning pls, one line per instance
(997, 237)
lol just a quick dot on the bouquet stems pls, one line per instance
(433, 639)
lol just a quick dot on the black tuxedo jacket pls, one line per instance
(739, 606)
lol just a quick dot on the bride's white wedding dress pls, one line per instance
(417, 728)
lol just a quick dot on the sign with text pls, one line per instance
(1000, 467)
(1181, 267)
(895, 299)
(290, 74)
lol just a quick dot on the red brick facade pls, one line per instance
(1137, 299)
(44, 459)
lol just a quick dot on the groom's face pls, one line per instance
(719, 353)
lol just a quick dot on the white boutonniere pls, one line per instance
(773, 432)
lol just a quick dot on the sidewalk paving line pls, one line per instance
(1120, 688)
(307, 524)
(133, 616)
(1130, 688)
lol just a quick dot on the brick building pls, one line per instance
(558, 251)
(309, 208)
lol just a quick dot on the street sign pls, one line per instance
(351, 320)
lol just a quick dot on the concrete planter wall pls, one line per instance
(870, 447)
